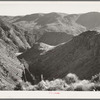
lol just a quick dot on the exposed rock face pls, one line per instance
(80, 56)
(13, 36)
(12, 40)
(10, 67)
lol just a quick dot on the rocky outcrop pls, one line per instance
(12, 40)
(10, 67)
(13, 36)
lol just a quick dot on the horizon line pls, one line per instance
(49, 13)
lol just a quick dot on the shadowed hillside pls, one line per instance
(79, 56)
(55, 38)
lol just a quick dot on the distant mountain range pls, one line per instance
(52, 44)
(46, 27)
(37, 26)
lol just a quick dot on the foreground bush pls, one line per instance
(57, 84)
(71, 78)
(70, 83)
(96, 78)
(83, 85)
(26, 86)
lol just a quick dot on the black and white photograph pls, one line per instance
(49, 46)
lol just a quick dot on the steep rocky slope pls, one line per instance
(12, 40)
(80, 56)
(13, 35)
(10, 67)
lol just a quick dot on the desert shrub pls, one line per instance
(96, 87)
(70, 83)
(18, 87)
(14, 78)
(96, 78)
(71, 78)
(2, 87)
(43, 85)
(57, 84)
(27, 86)
(6, 87)
(69, 88)
(84, 85)
(78, 88)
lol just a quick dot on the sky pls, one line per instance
(13, 8)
